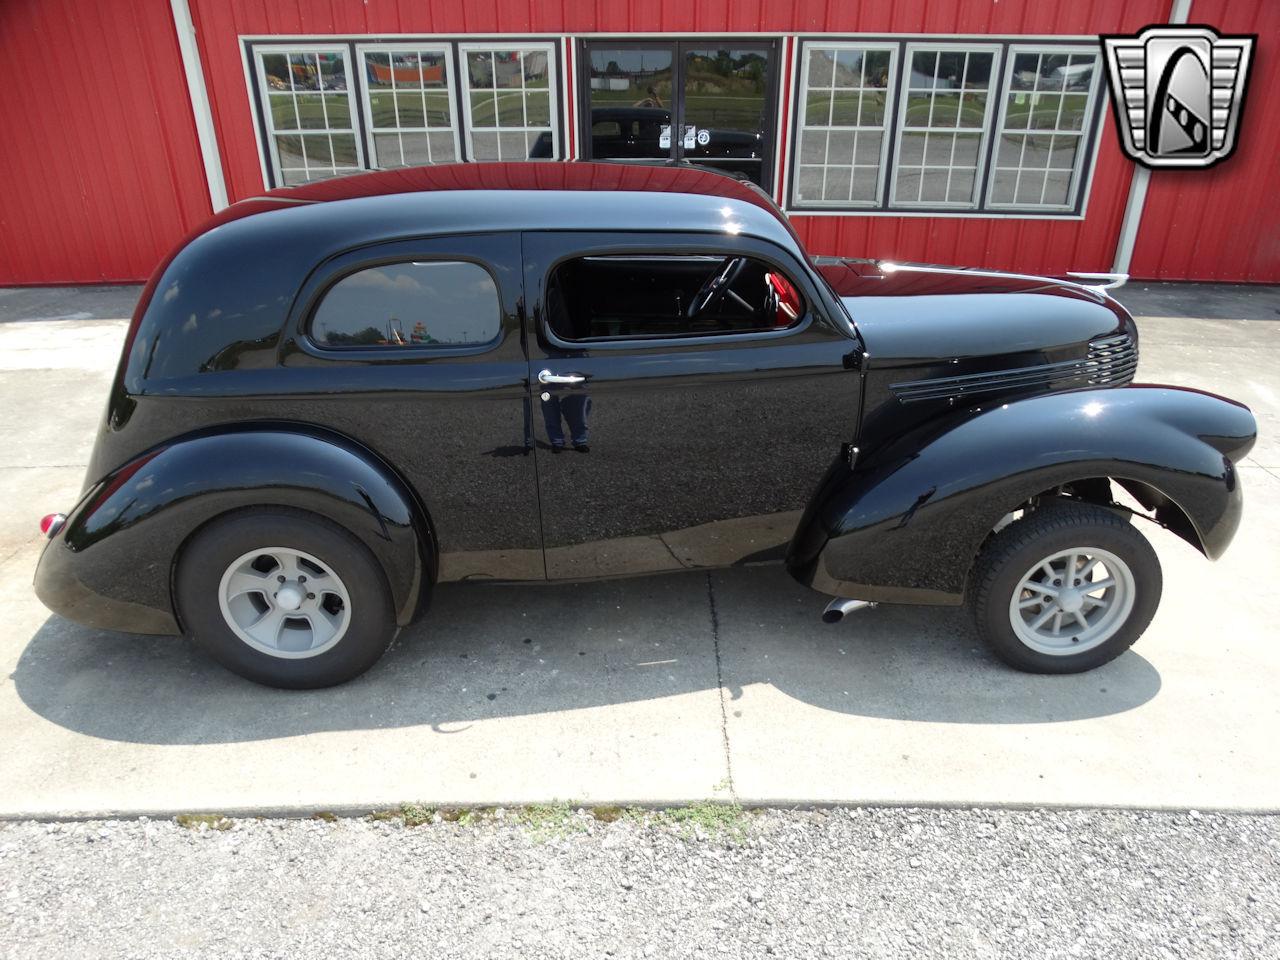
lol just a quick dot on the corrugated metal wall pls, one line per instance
(1224, 223)
(100, 170)
(1041, 245)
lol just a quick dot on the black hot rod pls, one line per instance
(333, 397)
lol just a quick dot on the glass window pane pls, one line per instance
(866, 184)
(510, 109)
(960, 188)
(423, 304)
(1044, 110)
(838, 183)
(840, 147)
(1026, 68)
(536, 71)
(937, 148)
(813, 146)
(844, 108)
(821, 67)
(439, 109)
(480, 69)
(873, 109)
(818, 108)
(538, 109)
(809, 184)
(1002, 187)
(332, 72)
(1074, 106)
(918, 106)
(382, 107)
(877, 69)
(483, 111)
(1029, 187)
(849, 68)
(1062, 154)
(289, 149)
(377, 70)
(1057, 187)
(966, 150)
(507, 70)
(484, 145)
(283, 114)
(512, 146)
(338, 109)
(1052, 71)
(977, 74)
(344, 150)
(386, 150)
(868, 148)
(911, 150)
(924, 64)
(973, 111)
(409, 110)
(434, 71)
(933, 185)
(317, 150)
(275, 66)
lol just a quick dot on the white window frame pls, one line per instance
(904, 93)
(886, 129)
(1085, 133)
(445, 50)
(553, 80)
(264, 97)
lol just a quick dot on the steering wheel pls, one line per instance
(716, 286)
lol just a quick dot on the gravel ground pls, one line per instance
(838, 883)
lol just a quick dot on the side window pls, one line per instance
(659, 296)
(445, 303)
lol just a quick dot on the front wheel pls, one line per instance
(1065, 589)
(284, 599)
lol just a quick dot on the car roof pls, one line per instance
(537, 176)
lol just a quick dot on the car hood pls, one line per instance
(906, 313)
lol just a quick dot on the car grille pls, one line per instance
(1111, 361)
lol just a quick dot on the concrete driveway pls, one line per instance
(659, 690)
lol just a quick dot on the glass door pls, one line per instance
(705, 102)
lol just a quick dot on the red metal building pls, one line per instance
(949, 131)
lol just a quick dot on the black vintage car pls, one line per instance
(333, 397)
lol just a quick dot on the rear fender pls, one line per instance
(111, 564)
(906, 523)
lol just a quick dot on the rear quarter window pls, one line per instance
(445, 303)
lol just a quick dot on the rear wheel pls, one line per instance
(285, 599)
(1066, 588)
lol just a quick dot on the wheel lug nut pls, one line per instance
(280, 579)
(311, 596)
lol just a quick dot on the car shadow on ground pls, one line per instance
(487, 651)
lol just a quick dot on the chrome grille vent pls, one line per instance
(1111, 361)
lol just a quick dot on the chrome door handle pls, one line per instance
(546, 377)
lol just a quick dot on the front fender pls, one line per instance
(111, 564)
(906, 524)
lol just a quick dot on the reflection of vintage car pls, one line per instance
(283, 480)
(619, 133)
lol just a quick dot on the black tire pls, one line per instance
(1011, 553)
(198, 579)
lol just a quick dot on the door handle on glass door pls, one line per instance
(546, 377)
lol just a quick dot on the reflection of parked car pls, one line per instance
(625, 133)
(278, 478)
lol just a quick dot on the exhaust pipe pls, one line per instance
(841, 607)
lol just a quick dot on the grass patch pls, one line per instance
(326, 816)
(608, 814)
(546, 821)
(415, 814)
(206, 821)
(708, 818)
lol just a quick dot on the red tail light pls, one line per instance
(51, 524)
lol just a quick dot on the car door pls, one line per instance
(414, 348)
(701, 441)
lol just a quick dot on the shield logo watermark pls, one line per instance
(1178, 92)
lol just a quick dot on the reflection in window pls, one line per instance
(1038, 155)
(309, 115)
(842, 136)
(418, 304)
(944, 122)
(630, 103)
(409, 106)
(509, 102)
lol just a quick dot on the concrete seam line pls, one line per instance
(350, 811)
(724, 713)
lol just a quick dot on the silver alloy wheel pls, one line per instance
(284, 603)
(1072, 601)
